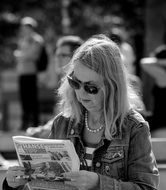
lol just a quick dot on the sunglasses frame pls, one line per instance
(83, 84)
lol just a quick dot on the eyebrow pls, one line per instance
(88, 82)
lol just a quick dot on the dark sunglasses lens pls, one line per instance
(73, 83)
(91, 89)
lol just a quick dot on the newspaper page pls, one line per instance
(45, 160)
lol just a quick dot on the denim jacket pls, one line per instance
(123, 163)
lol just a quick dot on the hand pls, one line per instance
(14, 176)
(83, 180)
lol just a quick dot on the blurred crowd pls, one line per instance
(41, 65)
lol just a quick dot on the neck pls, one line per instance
(95, 128)
(96, 117)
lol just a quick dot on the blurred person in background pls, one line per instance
(99, 115)
(128, 58)
(65, 47)
(155, 66)
(128, 53)
(31, 57)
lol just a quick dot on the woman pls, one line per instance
(98, 114)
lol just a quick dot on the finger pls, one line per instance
(14, 174)
(74, 183)
(71, 183)
(13, 168)
(15, 182)
(15, 171)
(21, 181)
(70, 174)
(10, 177)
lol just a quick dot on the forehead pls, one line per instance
(84, 73)
(63, 49)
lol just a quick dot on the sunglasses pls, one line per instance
(76, 84)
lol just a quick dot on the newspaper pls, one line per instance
(45, 160)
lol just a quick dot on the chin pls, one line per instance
(92, 109)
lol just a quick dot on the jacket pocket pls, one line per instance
(113, 162)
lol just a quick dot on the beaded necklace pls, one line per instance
(91, 130)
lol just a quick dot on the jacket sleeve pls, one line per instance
(59, 127)
(142, 172)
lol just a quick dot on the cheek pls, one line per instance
(98, 99)
(78, 96)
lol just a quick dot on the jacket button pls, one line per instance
(107, 169)
(98, 164)
(72, 132)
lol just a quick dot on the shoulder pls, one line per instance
(126, 47)
(136, 128)
(60, 118)
(60, 126)
(135, 120)
(38, 39)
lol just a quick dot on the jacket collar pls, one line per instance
(75, 130)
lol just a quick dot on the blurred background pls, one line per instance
(68, 17)
(142, 25)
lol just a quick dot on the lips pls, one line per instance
(84, 100)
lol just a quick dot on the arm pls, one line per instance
(40, 131)
(140, 166)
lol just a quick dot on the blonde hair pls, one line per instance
(102, 55)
